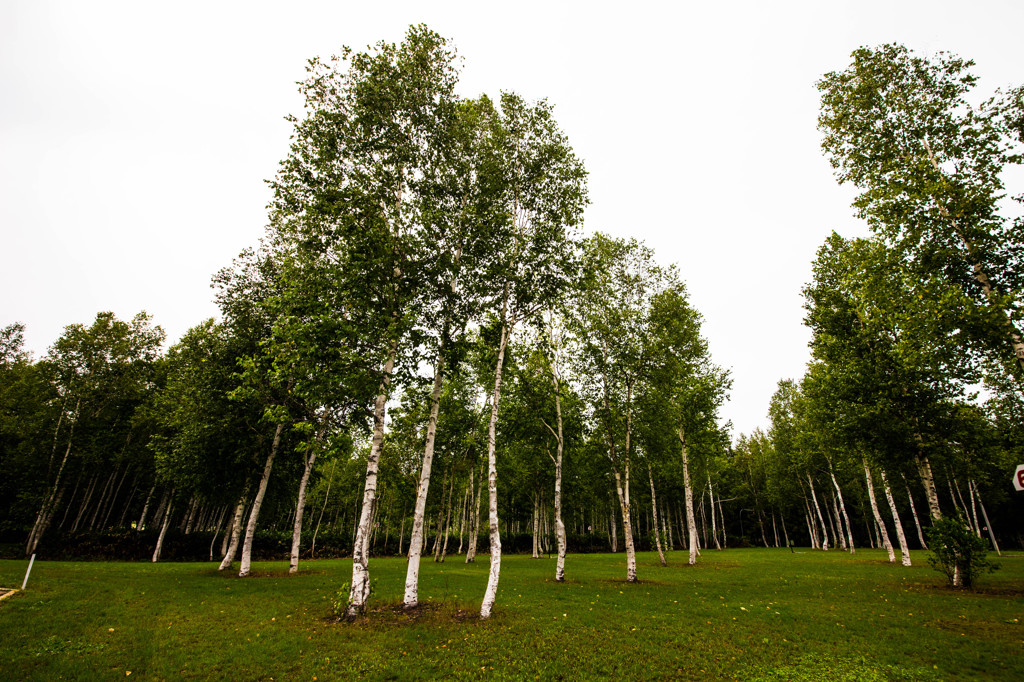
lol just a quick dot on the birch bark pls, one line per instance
(300, 506)
(412, 573)
(691, 522)
(878, 516)
(236, 531)
(824, 529)
(360, 590)
(654, 512)
(494, 573)
(904, 550)
(250, 528)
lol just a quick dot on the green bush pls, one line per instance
(957, 551)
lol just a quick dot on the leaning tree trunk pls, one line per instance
(913, 512)
(412, 574)
(163, 529)
(984, 515)
(494, 573)
(300, 506)
(924, 469)
(878, 516)
(842, 507)
(821, 518)
(56, 491)
(904, 549)
(654, 513)
(254, 514)
(236, 531)
(360, 590)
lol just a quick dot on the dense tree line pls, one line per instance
(425, 355)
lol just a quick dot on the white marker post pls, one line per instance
(30, 562)
(1018, 478)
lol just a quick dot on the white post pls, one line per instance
(30, 562)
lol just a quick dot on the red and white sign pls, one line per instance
(1018, 478)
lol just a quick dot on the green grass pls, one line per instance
(744, 614)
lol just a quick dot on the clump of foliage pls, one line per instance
(957, 552)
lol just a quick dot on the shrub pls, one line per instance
(957, 552)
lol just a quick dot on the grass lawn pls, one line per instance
(741, 613)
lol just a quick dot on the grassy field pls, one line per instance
(743, 614)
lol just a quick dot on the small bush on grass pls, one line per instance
(957, 552)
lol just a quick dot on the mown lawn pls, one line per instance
(743, 614)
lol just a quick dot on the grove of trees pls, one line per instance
(425, 355)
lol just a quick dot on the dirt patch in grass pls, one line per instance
(395, 614)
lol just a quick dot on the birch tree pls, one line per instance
(539, 183)
(354, 200)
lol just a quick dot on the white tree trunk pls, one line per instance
(878, 516)
(360, 589)
(412, 573)
(627, 526)
(904, 549)
(475, 522)
(714, 524)
(984, 515)
(163, 531)
(824, 529)
(654, 513)
(913, 512)
(491, 593)
(236, 531)
(842, 507)
(300, 506)
(924, 469)
(254, 514)
(691, 521)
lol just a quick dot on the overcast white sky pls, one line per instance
(135, 138)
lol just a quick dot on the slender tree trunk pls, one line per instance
(491, 593)
(254, 514)
(163, 529)
(714, 525)
(913, 512)
(145, 508)
(984, 515)
(559, 449)
(904, 548)
(475, 525)
(691, 522)
(360, 590)
(817, 508)
(216, 530)
(327, 496)
(842, 507)
(627, 526)
(229, 548)
(613, 525)
(974, 507)
(654, 513)
(447, 522)
(300, 506)
(924, 469)
(412, 575)
(84, 504)
(52, 499)
(878, 516)
(536, 524)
